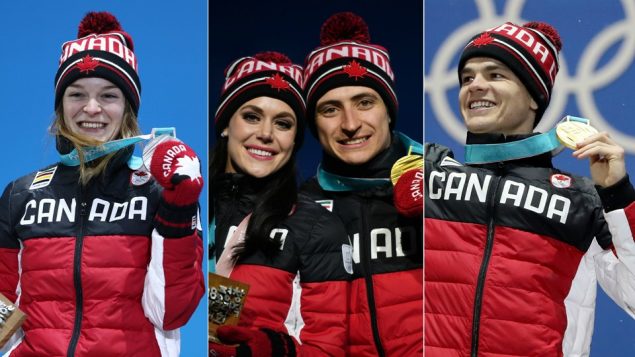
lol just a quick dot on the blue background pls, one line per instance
(579, 23)
(170, 40)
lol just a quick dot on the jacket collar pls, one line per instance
(335, 175)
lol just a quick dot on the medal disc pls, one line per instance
(404, 164)
(571, 132)
(149, 148)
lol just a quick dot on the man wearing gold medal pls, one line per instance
(513, 246)
(352, 111)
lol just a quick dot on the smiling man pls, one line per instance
(515, 247)
(501, 109)
(353, 124)
(351, 109)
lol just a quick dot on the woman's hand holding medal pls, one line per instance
(177, 169)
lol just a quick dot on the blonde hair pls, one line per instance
(129, 128)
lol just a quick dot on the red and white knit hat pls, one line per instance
(530, 51)
(102, 49)
(347, 58)
(266, 74)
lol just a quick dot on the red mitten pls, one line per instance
(218, 350)
(177, 169)
(252, 342)
(408, 193)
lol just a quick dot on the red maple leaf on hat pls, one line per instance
(277, 82)
(355, 70)
(484, 39)
(87, 64)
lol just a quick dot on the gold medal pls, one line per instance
(404, 164)
(226, 298)
(11, 318)
(570, 132)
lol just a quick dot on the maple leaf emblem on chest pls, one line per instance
(87, 64)
(355, 70)
(277, 82)
(484, 39)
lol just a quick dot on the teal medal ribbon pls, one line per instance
(531, 146)
(333, 182)
(94, 152)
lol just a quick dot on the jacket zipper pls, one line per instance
(480, 284)
(368, 279)
(77, 278)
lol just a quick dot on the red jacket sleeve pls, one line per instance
(174, 283)
(9, 249)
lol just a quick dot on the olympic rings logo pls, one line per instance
(588, 78)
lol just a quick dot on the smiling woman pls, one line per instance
(92, 112)
(285, 248)
(93, 108)
(260, 137)
(102, 257)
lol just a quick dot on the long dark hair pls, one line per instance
(275, 202)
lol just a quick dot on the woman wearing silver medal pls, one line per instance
(103, 258)
(293, 254)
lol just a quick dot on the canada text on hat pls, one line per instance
(530, 51)
(374, 54)
(534, 42)
(248, 65)
(266, 74)
(102, 49)
(347, 58)
(110, 42)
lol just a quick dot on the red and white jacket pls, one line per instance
(302, 290)
(385, 304)
(93, 269)
(513, 253)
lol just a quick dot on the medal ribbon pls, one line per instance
(94, 152)
(531, 146)
(333, 182)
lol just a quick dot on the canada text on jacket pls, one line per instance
(388, 243)
(461, 186)
(48, 210)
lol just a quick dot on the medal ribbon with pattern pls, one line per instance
(94, 152)
(569, 130)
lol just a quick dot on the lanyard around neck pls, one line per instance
(332, 182)
(531, 146)
(94, 152)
